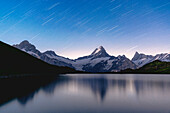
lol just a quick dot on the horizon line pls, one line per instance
(91, 52)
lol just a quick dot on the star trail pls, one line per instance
(74, 28)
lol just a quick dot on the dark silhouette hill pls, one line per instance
(15, 61)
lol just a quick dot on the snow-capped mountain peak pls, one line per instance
(136, 56)
(141, 59)
(100, 52)
(25, 46)
(24, 42)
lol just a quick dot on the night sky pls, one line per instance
(74, 28)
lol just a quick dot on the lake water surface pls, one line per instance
(95, 93)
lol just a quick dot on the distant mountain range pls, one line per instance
(30, 60)
(98, 61)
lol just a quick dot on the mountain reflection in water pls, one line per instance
(96, 93)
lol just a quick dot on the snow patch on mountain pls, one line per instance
(33, 54)
(142, 61)
(109, 64)
(78, 64)
(98, 60)
(52, 56)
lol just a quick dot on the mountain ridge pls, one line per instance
(141, 59)
(98, 61)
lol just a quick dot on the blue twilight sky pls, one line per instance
(74, 28)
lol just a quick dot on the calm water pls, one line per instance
(96, 93)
